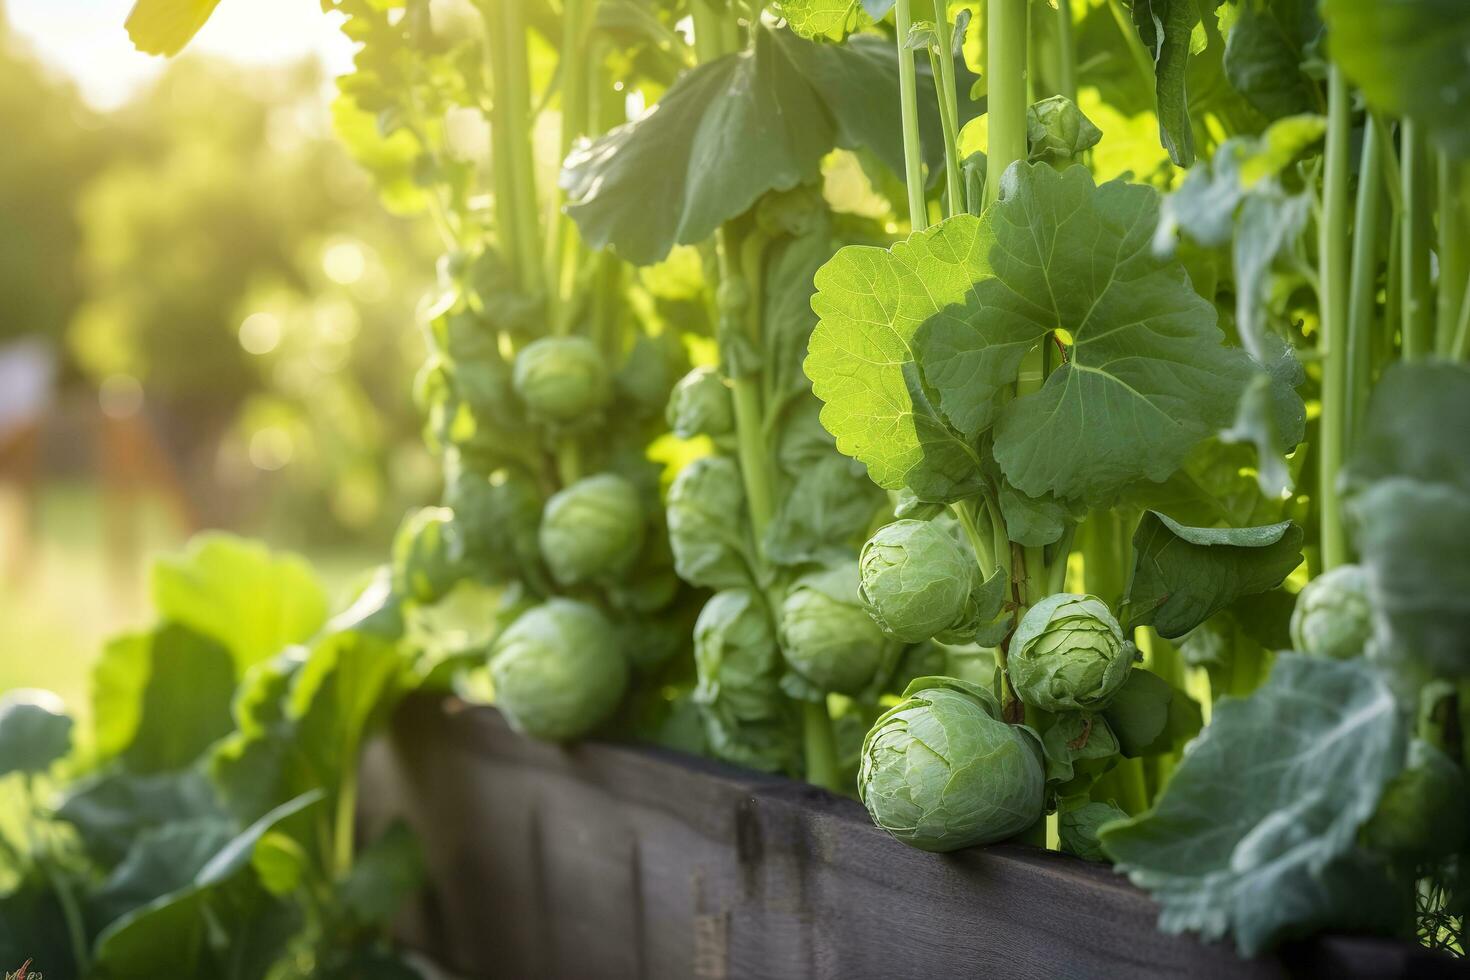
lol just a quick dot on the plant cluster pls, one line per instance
(202, 823)
(1108, 372)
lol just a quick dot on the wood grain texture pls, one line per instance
(616, 861)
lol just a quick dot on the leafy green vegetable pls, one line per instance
(1254, 833)
(1166, 28)
(35, 731)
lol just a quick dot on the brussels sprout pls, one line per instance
(426, 555)
(916, 580)
(708, 532)
(700, 405)
(825, 635)
(1422, 813)
(592, 528)
(495, 519)
(1068, 654)
(941, 771)
(1077, 828)
(736, 659)
(767, 746)
(1057, 132)
(1333, 617)
(561, 379)
(558, 671)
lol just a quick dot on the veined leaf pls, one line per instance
(829, 19)
(1264, 55)
(1184, 575)
(1254, 833)
(1145, 376)
(871, 302)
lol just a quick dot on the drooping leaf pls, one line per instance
(1265, 52)
(1408, 57)
(1254, 833)
(731, 130)
(1408, 502)
(822, 514)
(1184, 575)
(1145, 377)
(240, 594)
(1165, 27)
(165, 26)
(870, 302)
(35, 731)
(161, 697)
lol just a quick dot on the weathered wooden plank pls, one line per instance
(618, 861)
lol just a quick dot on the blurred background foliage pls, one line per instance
(212, 315)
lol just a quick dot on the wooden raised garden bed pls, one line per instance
(605, 860)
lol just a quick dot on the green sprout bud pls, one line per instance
(558, 671)
(1057, 132)
(916, 580)
(592, 529)
(736, 659)
(1422, 814)
(707, 529)
(941, 770)
(1068, 654)
(562, 379)
(495, 519)
(700, 405)
(1077, 828)
(1333, 617)
(827, 637)
(1079, 748)
(426, 555)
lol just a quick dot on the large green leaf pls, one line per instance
(1184, 575)
(871, 302)
(1145, 376)
(1408, 500)
(1254, 833)
(386, 872)
(239, 593)
(734, 129)
(1408, 57)
(35, 731)
(159, 698)
(160, 860)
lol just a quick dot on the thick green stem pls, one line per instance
(1333, 276)
(343, 830)
(984, 552)
(948, 108)
(1364, 306)
(1460, 345)
(820, 747)
(1005, 54)
(1418, 293)
(1454, 251)
(565, 251)
(515, 103)
(1066, 51)
(71, 912)
(909, 98)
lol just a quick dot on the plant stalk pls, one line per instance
(1066, 52)
(1006, 47)
(1367, 225)
(1334, 284)
(1454, 251)
(944, 86)
(820, 746)
(1418, 294)
(908, 93)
